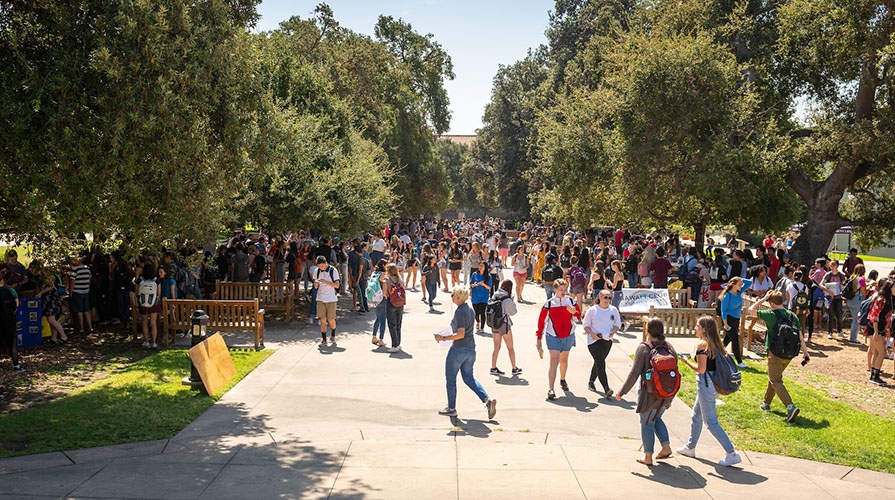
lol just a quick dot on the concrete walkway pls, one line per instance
(353, 421)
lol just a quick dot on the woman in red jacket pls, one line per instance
(556, 322)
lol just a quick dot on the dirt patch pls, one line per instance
(55, 371)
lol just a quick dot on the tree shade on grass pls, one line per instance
(144, 401)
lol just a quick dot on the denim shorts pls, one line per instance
(557, 344)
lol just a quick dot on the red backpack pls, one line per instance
(398, 296)
(663, 379)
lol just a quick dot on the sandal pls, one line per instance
(648, 464)
(663, 456)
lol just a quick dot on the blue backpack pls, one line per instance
(726, 377)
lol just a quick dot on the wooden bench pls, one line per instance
(751, 327)
(679, 322)
(680, 297)
(230, 315)
(271, 296)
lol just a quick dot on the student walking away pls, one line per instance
(783, 342)
(375, 294)
(655, 395)
(499, 310)
(555, 322)
(326, 282)
(550, 274)
(395, 297)
(731, 308)
(709, 353)
(461, 355)
(601, 322)
(880, 327)
(430, 278)
(362, 273)
(9, 302)
(239, 264)
(831, 286)
(149, 292)
(660, 269)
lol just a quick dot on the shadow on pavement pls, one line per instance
(472, 428)
(572, 401)
(400, 355)
(515, 380)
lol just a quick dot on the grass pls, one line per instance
(143, 401)
(825, 430)
(866, 258)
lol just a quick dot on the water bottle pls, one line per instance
(649, 375)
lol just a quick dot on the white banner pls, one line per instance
(639, 300)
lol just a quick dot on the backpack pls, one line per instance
(494, 316)
(864, 312)
(549, 273)
(398, 296)
(7, 305)
(692, 277)
(643, 269)
(786, 340)
(800, 303)
(374, 291)
(663, 379)
(726, 377)
(184, 278)
(848, 289)
(209, 274)
(684, 271)
(577, 277)
(147, 293)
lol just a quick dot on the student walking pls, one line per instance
(708, 349)
(394, 296)
(601, 322)
(777, 364)
(326, 282)
(731, 310)
(555, 322)
(504, 334)
(650, 407)
(461, 355)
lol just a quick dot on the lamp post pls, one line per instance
(199, 321)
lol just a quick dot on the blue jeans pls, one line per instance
(461, 360)
(380, 322)
(124, 306)
(632, 280)
(431, 289)
(651, 428)
(195, 290)
(548, 289)
(313, 313)
(704, 411)
(854, 306)
(362, 295)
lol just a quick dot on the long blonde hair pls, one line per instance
(730, 283)
(391, 270)
(714, 344)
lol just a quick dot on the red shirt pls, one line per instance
(660, 268)
(560, 323)
(619, 238)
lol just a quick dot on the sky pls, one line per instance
(478, 35)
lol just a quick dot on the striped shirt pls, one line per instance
(82, 279)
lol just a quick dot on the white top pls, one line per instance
(378, 245)
(601, 321)
(405, 239)
(326, 293)
(792, 290)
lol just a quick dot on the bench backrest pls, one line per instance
(680, 321)
(680, 297)
(221, 313)
(268, 294)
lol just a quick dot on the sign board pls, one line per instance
(213, 362)
(639, 300)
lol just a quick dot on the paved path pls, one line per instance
(355, 422)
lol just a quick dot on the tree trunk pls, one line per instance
(699, 235)
(815, 237)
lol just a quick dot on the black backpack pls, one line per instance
(866, 304)
(848, 289)
(786, 340)
(800, 303)
(494, 316)
(7, 305)
(549, 273)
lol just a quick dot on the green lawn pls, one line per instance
(866, 258)
(825, 430)
(141, 402)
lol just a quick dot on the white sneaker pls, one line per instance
(743, 365)
(686, 451)
(394, 349)
(732, 458)
(310, 321)
(145, 345)
(155, 346)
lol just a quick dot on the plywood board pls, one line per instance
(213, 362)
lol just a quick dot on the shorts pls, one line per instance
(453, 266)
(80, 302)
(716, 287)
(519, 275)
(326, 310)
(504, 329)
(578, 289)
(503, 252)
(156, 309)
(555, 343)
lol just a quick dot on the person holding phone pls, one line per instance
(776, 365)
(708, 349)
(600, 324)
